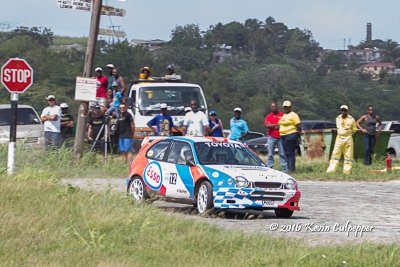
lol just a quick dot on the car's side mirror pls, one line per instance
(190, 162)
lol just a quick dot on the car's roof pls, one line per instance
(164, 84)
(3, 106)
(316, 121)
(197, 139)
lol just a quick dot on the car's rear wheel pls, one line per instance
(204, 198)
(137, 190)
(283, 213)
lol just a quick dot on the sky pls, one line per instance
(334, 24)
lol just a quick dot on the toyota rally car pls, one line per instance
(210, 172)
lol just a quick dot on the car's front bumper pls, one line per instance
(256, 198)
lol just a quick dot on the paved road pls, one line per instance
(329, 211)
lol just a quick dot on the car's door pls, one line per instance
(178, 178)
(154, 174)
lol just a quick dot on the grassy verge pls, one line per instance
(62, 163)
(315, 170)
(46, 224)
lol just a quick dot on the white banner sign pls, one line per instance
(112, 11)
(107, 32)
(85, 89)
(83, 5)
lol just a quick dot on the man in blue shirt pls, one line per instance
(239, 128)
(163, 122)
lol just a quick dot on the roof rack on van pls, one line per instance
(165, 79)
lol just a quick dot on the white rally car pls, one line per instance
(211, 172)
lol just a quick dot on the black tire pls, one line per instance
(283, 213)
(138, 195)
(204, 197)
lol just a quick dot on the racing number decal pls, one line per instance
(153, 175)
(172, 178)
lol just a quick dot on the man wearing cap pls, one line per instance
(110, 77)
(145, 74)
(126, 130)
(162, 123)
(239, 128)
(117, 100)
(346, 127)
(289, 131)
(96, 130)
(102, 84)
(272, 124)
(67, 123)
(51, 118)
(216, 128)
(195, 122)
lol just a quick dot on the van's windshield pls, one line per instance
(25, 116)
(176, 97)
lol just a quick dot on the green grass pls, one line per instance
(315, 170)
(67, 40)
(46, 224)
(62, 163)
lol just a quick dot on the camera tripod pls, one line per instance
(106, 135)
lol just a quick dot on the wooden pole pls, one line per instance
(89, 58)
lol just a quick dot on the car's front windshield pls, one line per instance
(176, 97)
(25, 116)
(223, 153)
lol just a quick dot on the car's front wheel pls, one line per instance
(283, 213)
(137, 190)
(204, 199)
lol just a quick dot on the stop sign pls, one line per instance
(16, 75)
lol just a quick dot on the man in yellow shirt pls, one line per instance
(289, 130)
(346, 127)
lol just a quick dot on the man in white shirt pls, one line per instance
(51, 118)
(195, 122)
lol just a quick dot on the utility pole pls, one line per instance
(89, 58)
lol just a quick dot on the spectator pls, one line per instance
(195, 122)
(110, 97)
(67, 124)
(239, 128)
(346, 127)
(126, 129)
(110, 77)
(145, 74)
(96, 129)
(51, 118)
(119, 80)
(162, 122)
(216, 128)
(102, 84)
(114, 106)
(273, 137)
(289, 130)
(370, 121)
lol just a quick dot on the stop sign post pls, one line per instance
(17, 77)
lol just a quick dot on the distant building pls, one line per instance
(363, 56)
(376, 67)
(59, 48)
(222, 52)
(150, 44)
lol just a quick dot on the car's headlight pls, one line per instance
(291, 184)
(241, 181)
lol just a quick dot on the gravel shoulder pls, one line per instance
(331, 212)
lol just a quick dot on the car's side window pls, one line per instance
(395, 127)
(180, 153)
(158, 150)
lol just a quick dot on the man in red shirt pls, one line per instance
(271, 122)
(102, 84)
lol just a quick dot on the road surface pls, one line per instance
(331, 212)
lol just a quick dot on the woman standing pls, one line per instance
(370, 122)
(289, 130)
(216, 128)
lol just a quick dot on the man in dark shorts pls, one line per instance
(67, 125)
(126, 129)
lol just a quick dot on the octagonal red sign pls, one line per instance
(16, 75)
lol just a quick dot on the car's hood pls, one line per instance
(251, 173)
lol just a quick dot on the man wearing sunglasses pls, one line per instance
(51, 118)
(346, 127)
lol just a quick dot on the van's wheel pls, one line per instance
(204, 197)
(283, 213)
(137, 190)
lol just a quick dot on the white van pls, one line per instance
(29, 127)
